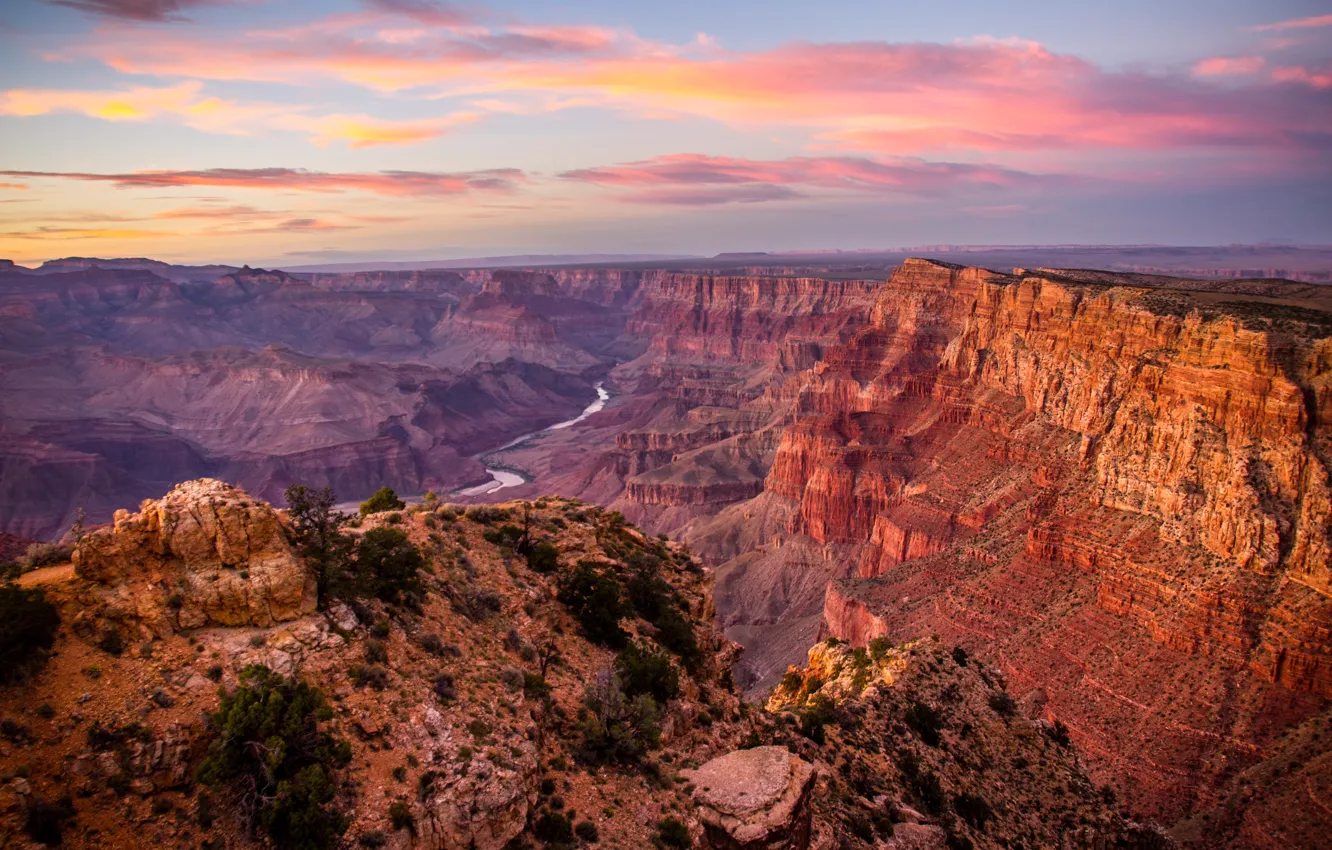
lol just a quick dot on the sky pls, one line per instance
(291, 133)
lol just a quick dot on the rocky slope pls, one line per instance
(466, 705)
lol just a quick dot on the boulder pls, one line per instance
(755, 799)
(205, 553)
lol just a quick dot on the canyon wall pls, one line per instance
(1118, 493)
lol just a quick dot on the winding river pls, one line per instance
(501, 478)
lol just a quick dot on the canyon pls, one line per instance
(1112, 486)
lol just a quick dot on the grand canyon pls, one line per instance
(1110, 486)
(752, 425)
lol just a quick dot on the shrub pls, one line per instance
(376, 652)
(552, 828)
(270, 747)
(316, 527)
(486, 514)
(44, 555)
(613, 727)
(28, 626)
(973, 809)
(370, 675)
(384, 499)
(1003, 704)
(388, 564)
(816, 714)
(504, 535)
(671, 832)
(112, 642)
(512, 678)
(878, 648)
(593, 597)
(444, 688)
(45, 821)
(400, 815)
(432, 644)
(535, 686)
(926, 721)
(587, 831)
(643, 671)
(543, 558)
(928, 791)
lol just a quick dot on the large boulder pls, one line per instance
(755, 799)
(205, 553)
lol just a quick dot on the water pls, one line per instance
(501, 478)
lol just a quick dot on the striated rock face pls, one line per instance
(206, 553)
(755, 799)
(1119, 490)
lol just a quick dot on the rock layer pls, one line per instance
(206, 553)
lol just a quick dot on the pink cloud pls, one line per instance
(155, 11)
(1295, 24)
(981, 95)
(696, 179)
(1221, 66)
(1296, 74)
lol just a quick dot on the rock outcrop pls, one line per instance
(755, 799)
(206, 553)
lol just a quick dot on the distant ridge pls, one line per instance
(490, 262)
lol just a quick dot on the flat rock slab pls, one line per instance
(755, 798)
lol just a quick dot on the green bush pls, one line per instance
(587, 831)
(657, 602)
(643, 671)
(316, 528)
(543, 558)
(671, 832)
(613, 727)
(384, 499)
(878, 648)
(552, 828)
(926, 721)
(504, 535)
(388, 565)
(44, 555)
(270, 749)
(28, 626)
(400, 815)
(593, 596)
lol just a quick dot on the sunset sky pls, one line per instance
(290, 133)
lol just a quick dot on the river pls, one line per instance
(501, 478)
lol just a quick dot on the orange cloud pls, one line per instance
(1295, 24)
(392, 183)
(17, 187)
(1220, 66)
(186, 102)
(360, 131)
(57, 233)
